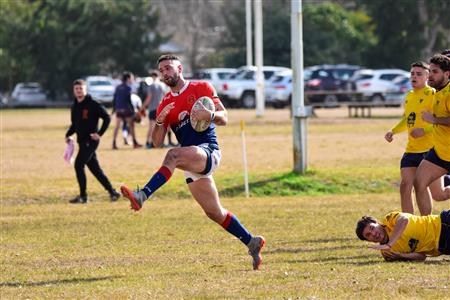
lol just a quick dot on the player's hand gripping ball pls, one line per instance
(201, 104)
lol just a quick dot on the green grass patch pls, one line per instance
(309, 184)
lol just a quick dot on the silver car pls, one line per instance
(101, 88)
(28, 92)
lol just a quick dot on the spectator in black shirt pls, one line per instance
(85, 113)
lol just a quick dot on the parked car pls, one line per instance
(28, 92)
(101, 88)
(215, 76)
(329, 79)
(396, 95)
(240, 90)
(279, 90)
(375, 83)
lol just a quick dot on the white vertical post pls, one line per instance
(299, 112)
(248, 31)
(244, 160)
(259, 58)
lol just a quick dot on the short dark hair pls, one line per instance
(78, 81)
(446, 52)
(420, 64)
(442, 61)
(362, 223)
(167, 57)
(154, 74)
(126, 75)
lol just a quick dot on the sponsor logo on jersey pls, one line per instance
(411, 119)
(85, 114)
(412, 243)
(182, 115)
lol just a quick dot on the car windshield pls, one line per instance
(224, 75)
(30, 90)
(343, 74)
(99, 82)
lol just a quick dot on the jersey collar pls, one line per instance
(185, 86)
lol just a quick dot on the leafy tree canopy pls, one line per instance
(56, 41)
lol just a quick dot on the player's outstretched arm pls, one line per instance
(389, 255)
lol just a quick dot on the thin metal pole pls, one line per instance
(299, 112)
(248, 26)
(259, 58)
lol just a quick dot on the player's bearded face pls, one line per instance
(170, 71)
(436, 78)
(171, 80)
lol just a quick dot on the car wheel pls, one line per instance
(331, 101)
(248, 100)
(377, 98)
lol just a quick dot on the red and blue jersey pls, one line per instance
(178, 118)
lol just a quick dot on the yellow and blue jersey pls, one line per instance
(441, 133)
(421, 235)
(417, 101)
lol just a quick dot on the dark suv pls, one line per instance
(328, 79)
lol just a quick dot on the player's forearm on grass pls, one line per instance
(158, 135)
(400, 127)
(399, 227)
(414, 256)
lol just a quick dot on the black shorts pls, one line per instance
(412, 160)
(434, 158)
(152, 115)
(124, 113)
(444, 239)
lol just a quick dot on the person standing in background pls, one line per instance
(124, 109)
(437, 160)
(420, 136)
(85, 114)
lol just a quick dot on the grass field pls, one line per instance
(53, 250)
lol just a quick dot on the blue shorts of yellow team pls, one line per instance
(412, 160)
(444, 239)
(435, 159)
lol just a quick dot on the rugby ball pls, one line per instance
(201, 125)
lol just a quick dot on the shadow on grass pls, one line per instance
(303, 250)
(56, 282)
(342, 260)
(347, 239)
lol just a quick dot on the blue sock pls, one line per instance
(233, 226)
(157, 180)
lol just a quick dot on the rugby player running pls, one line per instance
(199, 154)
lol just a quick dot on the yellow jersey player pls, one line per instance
(437, 160)
(420, 136)
(403, 236)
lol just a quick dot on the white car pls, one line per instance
(215, 76)
(279, 90)
(28, 92)
(240, 91)
(374, 84)
(101, 88)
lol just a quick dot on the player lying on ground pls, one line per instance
(199, 154)
(402, 236)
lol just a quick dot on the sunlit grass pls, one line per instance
(53, 250)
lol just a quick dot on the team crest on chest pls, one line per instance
(191, 99)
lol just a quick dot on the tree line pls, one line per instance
(55, 41)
